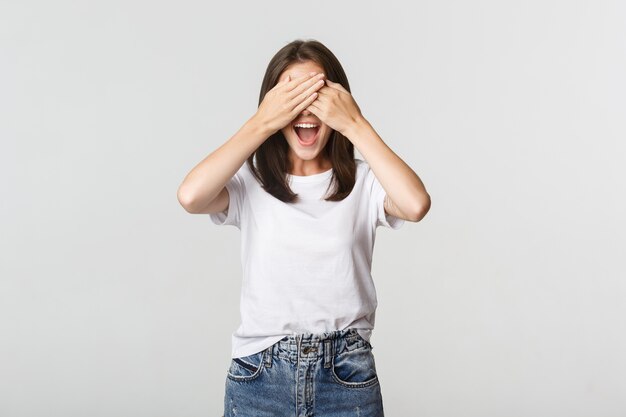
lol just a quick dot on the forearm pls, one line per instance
(205, 181)
(401, 183)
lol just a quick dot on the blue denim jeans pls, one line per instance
(331, 374)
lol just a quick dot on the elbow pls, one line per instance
(423, 208)
(186, 200)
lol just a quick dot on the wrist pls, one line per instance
(259, 127)
(356, 128)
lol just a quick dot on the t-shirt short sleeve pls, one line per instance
(236, 195)
(377, 201)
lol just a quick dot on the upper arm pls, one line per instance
(229, 207)
(218, 204)
(393, 210)
(382, 211)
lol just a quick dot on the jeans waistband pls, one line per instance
(311, 346)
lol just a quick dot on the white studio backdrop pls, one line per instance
(506, 300)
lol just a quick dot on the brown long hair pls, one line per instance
(272, 162)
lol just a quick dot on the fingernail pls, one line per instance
(312, 73)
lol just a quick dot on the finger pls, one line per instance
(313, 111)
(282, 83)
(304, 94)
(323, 95)
(314, 82)
(313, 108)
(324, 91)
(295, 82)
(337, 86)
(307, 102)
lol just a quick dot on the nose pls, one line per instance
(306, 112)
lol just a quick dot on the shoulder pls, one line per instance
(244, 172)
(361, 165)
(363, 170)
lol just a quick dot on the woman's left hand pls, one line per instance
(335, 107)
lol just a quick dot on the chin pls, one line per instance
(306, 155)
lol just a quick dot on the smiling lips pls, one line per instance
(307, 133)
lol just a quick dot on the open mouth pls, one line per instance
(307, 133)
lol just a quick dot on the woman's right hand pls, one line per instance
(287, 99)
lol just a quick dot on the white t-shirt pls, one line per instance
(306, 265)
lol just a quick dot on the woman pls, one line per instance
(308, 212)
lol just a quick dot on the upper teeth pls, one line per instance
(305, 125)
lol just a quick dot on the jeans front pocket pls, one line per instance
(355, 368)
(246, 368)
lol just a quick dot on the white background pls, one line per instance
(506, 300)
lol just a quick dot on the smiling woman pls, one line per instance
(308, 211)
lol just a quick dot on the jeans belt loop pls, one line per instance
(327, 353)
(268, 356)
